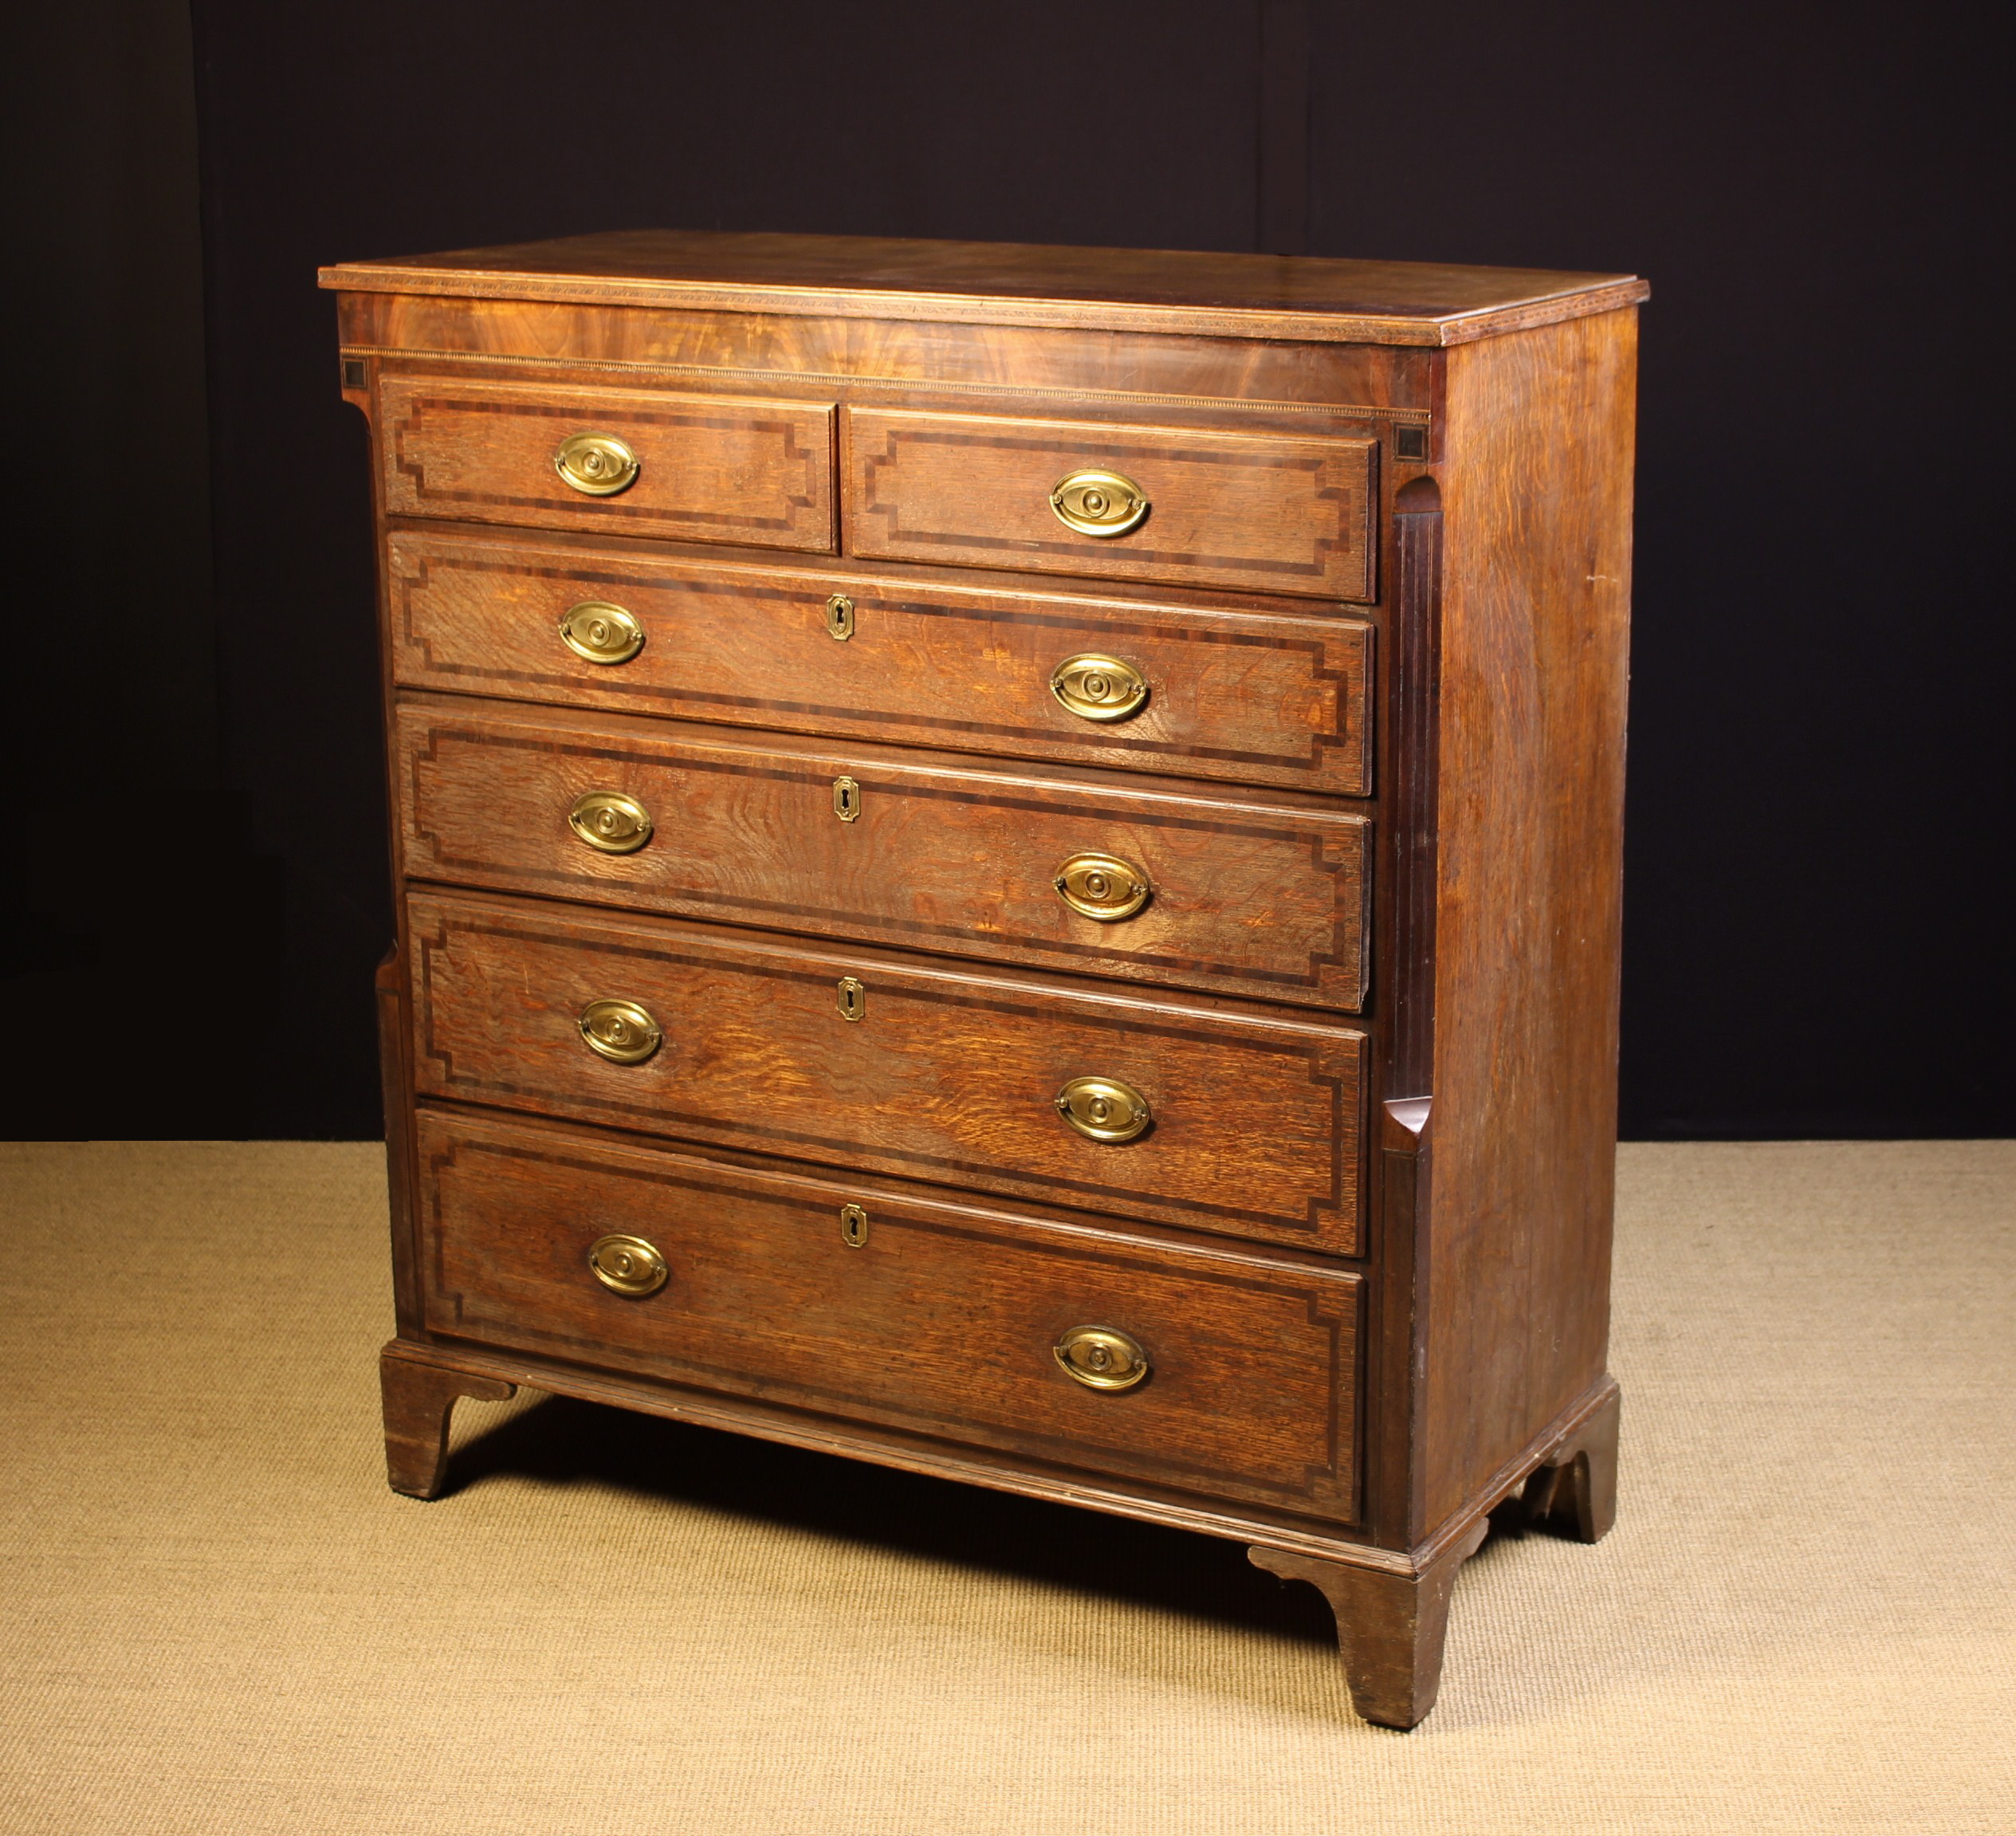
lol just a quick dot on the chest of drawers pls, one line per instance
(1008, 864)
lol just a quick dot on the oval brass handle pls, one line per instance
(1096, 502)
(601, 633)
(619, 1031)
(627, 1265)
(1103, 1108)
(596, 465)
(1097, 688)
(1103, 886)
(1101, 1358)
(610, 821)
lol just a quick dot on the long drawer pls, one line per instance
(844, 653)
(1138, 1107)
(1206, 1371)
(1269, 512)
(620, 462)
(1201, 893)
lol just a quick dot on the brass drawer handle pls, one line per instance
(599, 632)
(1103, 886)
(611, 822)
(1103, 1108)
(1096, 502)
(1100, 1357)
(595, 464)
(627, 1265)
(1097, 688)
(619, 1031)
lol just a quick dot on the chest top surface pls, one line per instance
(1192, 291)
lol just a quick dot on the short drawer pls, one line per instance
(1272, 514)
(1242, 1125)
(627, 462)
(1152, 688)
(930, 1318)
(1236, 897)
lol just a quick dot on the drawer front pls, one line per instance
(1223, 695)
(1252, 1124)
(708, 468)
(939, 1319)
(1272, 514)
(1239, 897)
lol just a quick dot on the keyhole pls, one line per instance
(854, 1226)
(846, 799)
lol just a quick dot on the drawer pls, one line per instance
(1221, 695)
(1240, 897)
(1252, 1124)
(940, 1319)
(707, 468)
(1272, 514)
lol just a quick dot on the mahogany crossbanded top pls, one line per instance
(1011, 283)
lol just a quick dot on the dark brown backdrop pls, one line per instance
(1820, 753)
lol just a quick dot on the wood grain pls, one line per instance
(1233, 696)
(712, 468)
(1536, 514)
(1268, 513)
(942, 1322)
(1005, 283)
(950, 1077)
(1249, 898)
(1390, 1627)
(420, 1397)
(895, 363)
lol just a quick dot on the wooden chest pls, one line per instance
(1008, 864)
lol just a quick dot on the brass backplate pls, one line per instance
(1096, 502)
(853, 1225)
(619, 1031)
(1101, 1358)
(596, 465)
(1103, 1108)
(627, 1265)
(600, 632)
(1097, 688)
(853, 1000)
(611, 822)
(846, 799)
(839, 618)
(1103, 886)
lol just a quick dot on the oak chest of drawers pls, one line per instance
(1008, 864)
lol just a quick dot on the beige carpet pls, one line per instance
(217, 1618)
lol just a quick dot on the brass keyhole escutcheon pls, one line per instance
(852, 998)
(1097, 688)
(1096, 502)
(601, 633)
(1101, 1358)
(596, 465)
(1103, 886)
(846, 799)
(627, 1265)
(619, 1031)
(609, 822)
(1103, 1109)
(854, 1226)
(839, 618)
